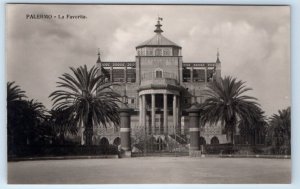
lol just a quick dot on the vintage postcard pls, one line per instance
(148, 94)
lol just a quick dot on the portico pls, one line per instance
(156, 104)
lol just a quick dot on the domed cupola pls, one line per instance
(158, 45)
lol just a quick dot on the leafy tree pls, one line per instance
(226, 103)
(25, 119)
(14, 93)
(15, 102)
(89, 97)
(62, 123)
(33, 116)
(254, 132)
(279, 130)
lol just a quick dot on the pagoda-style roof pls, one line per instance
(158, 40)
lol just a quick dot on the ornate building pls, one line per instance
(160, 86)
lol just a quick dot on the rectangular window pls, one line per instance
(210, 73)
(175, 52)
(131, 75)
(118, 75)
(106, 73)
(158, 74)
(158, 52)
(166, 52)
(149, 53)
(186, 75)
(198, 75)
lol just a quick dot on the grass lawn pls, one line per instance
(147, 170)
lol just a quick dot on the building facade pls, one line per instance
(159, 86)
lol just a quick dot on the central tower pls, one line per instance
(159, 73)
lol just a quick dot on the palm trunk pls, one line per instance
(232, 137)
(230, 132)
(89, 130)
(61, 139)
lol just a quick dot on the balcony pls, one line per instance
(159, 78)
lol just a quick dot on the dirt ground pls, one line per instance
(151, 170)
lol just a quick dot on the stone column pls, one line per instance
(144, 111)
(153, 113)
(165, 128)
(140, 111)
(174, 113)
(194, 131)
(125, 113)
(143, 121)
(178, 115)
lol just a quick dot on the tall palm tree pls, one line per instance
(226, 103)
(14, 92)
(89, 97)
(15, 97)
(24, 117)
(15, 104)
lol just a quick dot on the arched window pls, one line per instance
(104, 142)
(158, 74)
(117, 141)
(214, 140)
(202, 141)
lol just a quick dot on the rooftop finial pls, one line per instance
(99, 60)
(218, 55)
(158, 25)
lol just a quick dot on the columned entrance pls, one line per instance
(160, 116)
(156, 107)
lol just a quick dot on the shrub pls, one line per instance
(65, 150)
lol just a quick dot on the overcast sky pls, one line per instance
(254, 43)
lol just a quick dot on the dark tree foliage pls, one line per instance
(228, 104)
(279, 130)
(89, 97)
(25, 120)
(62, 123)
(254, 132)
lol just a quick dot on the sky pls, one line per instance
(253, 42)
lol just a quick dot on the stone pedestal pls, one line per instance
(194, 129)
(195, 153)
(126, 154)
(125, 113)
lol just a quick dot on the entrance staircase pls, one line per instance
(174, 146)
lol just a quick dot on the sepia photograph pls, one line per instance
(148, 94)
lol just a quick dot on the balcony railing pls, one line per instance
(159, 78)
(157, 75)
